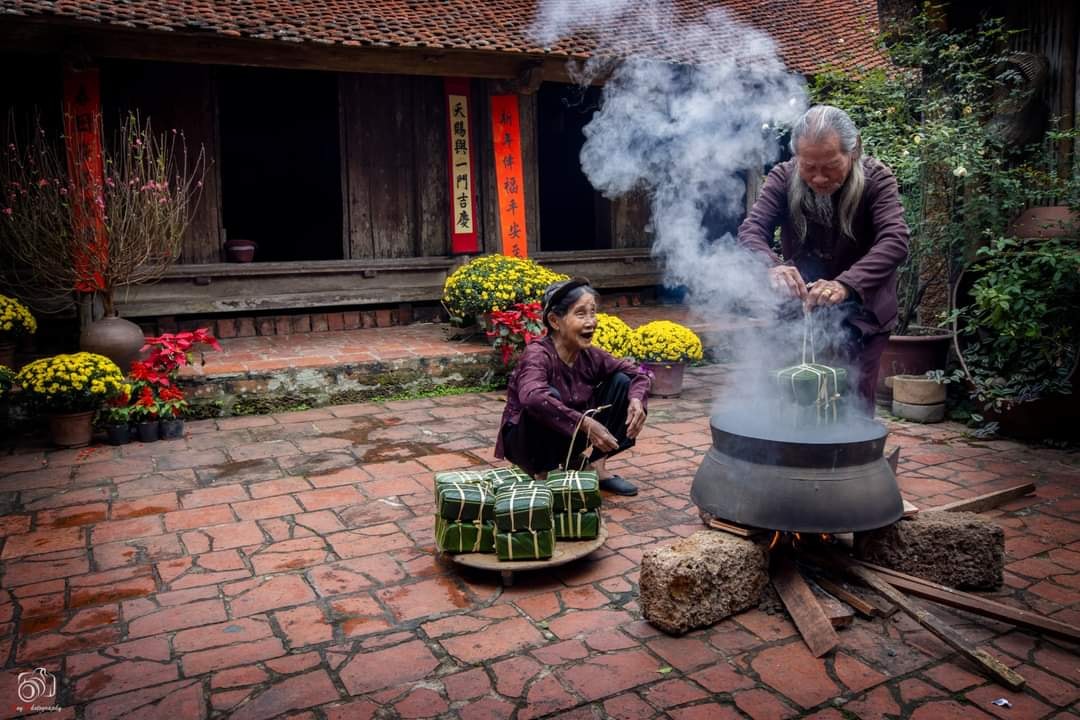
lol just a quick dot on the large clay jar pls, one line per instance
(240, 250)
(114, 337)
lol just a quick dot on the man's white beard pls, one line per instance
(819, 207)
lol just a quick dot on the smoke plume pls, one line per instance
(693, 100)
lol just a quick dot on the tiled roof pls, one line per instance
(809, 33)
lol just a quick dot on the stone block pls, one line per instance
(959, 549)
(918, 413)
(700, 580)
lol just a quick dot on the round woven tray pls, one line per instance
(565, 551)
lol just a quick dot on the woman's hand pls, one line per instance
(826, 292)
(635, 418)
(599, 437)
(786, 278)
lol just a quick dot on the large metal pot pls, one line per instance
(826, 479)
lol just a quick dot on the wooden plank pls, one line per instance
(432, 183)
(629, 218)
(816, 630)
(974, 604)
(389, 158)
(867, 607)
(989, 665)
(530, 162)
(733, 528)
(355, 96)
(839, 614)
(910, 508)
(989, 501)
(489, 196)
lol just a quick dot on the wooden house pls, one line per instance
(328, 132)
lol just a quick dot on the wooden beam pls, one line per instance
(989, 665)
(733, 528)
(816, 629)
(974, 604)
(989, 501)
(839, 614)
(865, 606)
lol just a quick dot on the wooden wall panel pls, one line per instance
(180, 96)
(489, 197)
(432, 179)
(529, 158)
(354, 97)
(629, 220)
(395, 178)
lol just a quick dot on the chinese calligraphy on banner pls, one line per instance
(509, 175)
(463, 235)
(82, 128)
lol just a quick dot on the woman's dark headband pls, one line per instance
(561, 292)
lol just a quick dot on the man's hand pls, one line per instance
(635, 418)
(826, 292)
(599, 437)
(787, 278)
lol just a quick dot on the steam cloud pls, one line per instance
(693, 100)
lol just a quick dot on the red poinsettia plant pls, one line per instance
(146, 407)
(511, 330)
(171, 402)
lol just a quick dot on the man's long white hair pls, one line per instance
(817, 124)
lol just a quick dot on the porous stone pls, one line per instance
(700, 580)
(958, 549)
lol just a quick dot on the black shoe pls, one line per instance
(617, 485)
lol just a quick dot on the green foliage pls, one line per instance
(930, 119)
(1022, 321)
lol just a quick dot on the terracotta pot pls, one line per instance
(7, 355)
(71, 430)
(114, 337)
(172, 429)
(1046, 222)
(911, 355)
(667, 377)
(239, 250)
(148, 431)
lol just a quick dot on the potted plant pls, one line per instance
(613, 335)
(663, 348)
(928, 118)
(116, 418)
(16, 322)
(494, 283)
(1019, 337)
(7, 382)
(172, 407)
(145, 412)
(69, 238)
(70, 389)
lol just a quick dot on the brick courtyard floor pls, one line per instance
(283, 566)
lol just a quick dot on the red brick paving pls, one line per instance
(251, 570)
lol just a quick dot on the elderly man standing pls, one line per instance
(842, 234)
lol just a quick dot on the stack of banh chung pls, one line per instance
(464, 512)
(504, 511)
(524, 522)
(577, 503)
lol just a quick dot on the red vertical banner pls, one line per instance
(82, 136)
(509, 175)
(463, 235)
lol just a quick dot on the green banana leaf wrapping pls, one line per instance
(525, 506)
(577, 525)
(459, 477)
(499, 478)
(454, 537)
(810, 383)
(465, 503)
(574, 490)
(527, 545)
